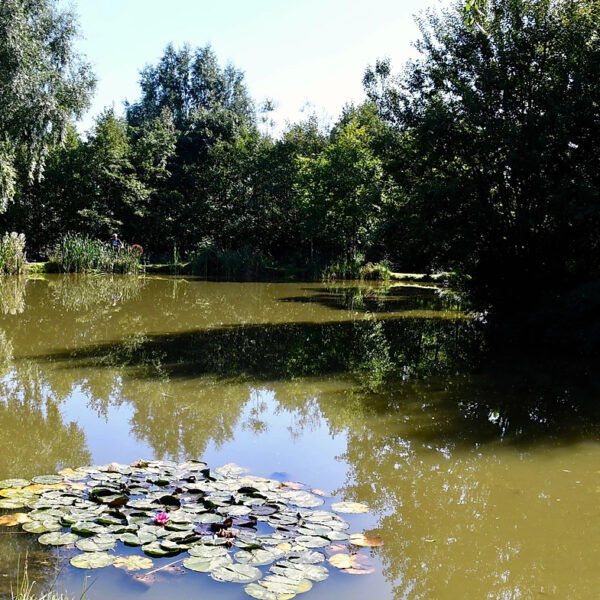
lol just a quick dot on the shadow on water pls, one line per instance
(370, 349)
(380, 299)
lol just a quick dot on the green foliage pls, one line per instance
(498, 133)
(12, 253)
(43, 85)
(81, 254)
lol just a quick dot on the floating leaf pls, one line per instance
(350, 507)
(47, 479)
(202, 551)
(308, 557)
(14, 483)
(360, 539)
(258, 591)
(302, 499)
(58, 539)
(133, 563)
(299, 571)
(14, 519)
(354, 564)
(92, 560)
(12, 503)
(158, 551)
(139, 538)
(97, 543)
(235, 573)
(205, 564)
(230, 470)
(87, 528)
(259, 556)
(312, 541)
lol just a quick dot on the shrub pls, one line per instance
(81, 254)
(12, 253)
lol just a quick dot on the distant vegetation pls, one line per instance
(480, 159)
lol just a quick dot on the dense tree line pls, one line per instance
(480, 158)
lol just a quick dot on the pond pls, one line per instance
(481, 485)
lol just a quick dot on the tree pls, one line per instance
(500, 135)
(44, 84)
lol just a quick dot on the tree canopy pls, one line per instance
(44, 85)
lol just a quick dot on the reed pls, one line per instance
(12, 253)
(81, 254)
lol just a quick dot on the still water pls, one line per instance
(481, 486)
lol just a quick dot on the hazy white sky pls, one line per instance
(293, 51)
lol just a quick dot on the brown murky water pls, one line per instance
(482, 486)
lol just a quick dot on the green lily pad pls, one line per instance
(14, 483)
(280, 584)
(206, 564)
(235, 573)
(302, 499)
(155, 550)
(47, 479)
(87, 528)
(258, 591)
(312, 541)
(12, 503)
(230, 470)
(259, 556)
(58, 539)
(308, 557)
(300, 571)
(139, 538)
(202, 551)
(350, 507)
(92, 560)
(132, 563)
(98, 543)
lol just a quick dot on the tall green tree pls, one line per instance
(500, 133)
(44, 85)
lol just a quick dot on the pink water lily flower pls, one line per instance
(161, 518)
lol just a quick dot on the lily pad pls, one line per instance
(87, 528)
(132, 563)
(354, 564)
(205, 564)
(98, 543)
(258, 591)
(312, 541)
(12, 503)
(308, 557)
(47, 479)
(259, 556)
(139, 538)
(350, 507)
(92, 560)
(14, 519)
(370, 541)
(14, 483)
(58, 539)
(202, 551)
(235, 573)
(300, 571)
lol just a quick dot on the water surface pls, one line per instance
(482, 486)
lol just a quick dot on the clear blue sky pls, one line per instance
(293, 51)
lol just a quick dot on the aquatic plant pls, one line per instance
(12, 253)
(212, 515)
(82, 254)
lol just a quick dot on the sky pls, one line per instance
(306, 55)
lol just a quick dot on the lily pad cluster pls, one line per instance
(224, 522)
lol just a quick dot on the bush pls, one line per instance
(12, 253)
(243, 263)
(81, 254)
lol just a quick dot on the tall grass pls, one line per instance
(81, 254)
(12, 253)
